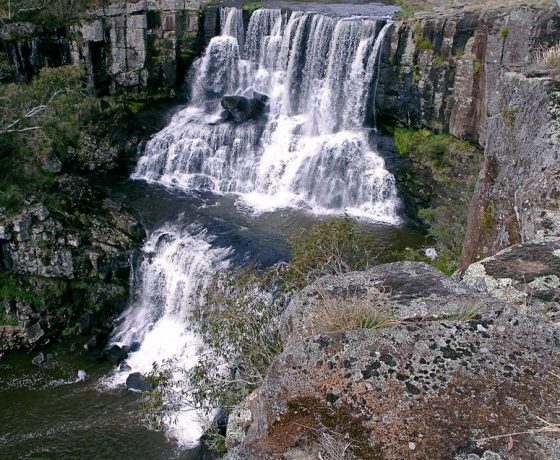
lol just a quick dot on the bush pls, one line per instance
(548, 57)
(40, 121)
(330, 247)
(423, 143)
(334, 314)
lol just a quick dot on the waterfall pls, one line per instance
(311, 149)
(177, 264)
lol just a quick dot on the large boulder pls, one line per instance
(242, 108)
(138, 382)
(526, 275)
(432, 389)
(400, 291)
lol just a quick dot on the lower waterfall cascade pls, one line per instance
(310, 150)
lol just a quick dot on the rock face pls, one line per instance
(441, 71)
(126, 46)
(525, 275)
(516, 199)
(64, 270)
(426, 387)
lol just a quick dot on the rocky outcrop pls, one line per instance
(64, 266)
(516, 199)
(140, 45)
(525, 275)
(441, 71)
(408, 289)
(129, 46)
(444, 385)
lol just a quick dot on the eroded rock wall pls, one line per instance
(517, 195)
(136, 45)
(442, 71)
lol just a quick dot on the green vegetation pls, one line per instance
(477, 65)
(38, 122)
(422, 143)
(410, 8)
(441, 158)
(48, 13)
(510, 115)
(251, 7)
(504, 32)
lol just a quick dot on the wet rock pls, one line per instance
(133, 347)
(138, 382)
(85, 324)
(426, 383)
(115, 355)
(410, 291)
(34, 333)
(241, 108)
(92, 343)
(39, 359)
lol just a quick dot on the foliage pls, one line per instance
(11, 288)
(504, 32)
(452, 167)
(238, 323)
(251, 7)
(330, 247)
(422, 143)
(48, 13)
(39, 121)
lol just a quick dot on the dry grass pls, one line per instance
(548, 57)
(370, 311)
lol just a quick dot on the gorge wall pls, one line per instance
(125, 46)
(471, 74)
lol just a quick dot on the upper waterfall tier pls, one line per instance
(310, 149)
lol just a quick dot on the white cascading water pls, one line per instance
(177, 264)
(312, 149)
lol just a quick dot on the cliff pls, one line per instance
(129, 46)
(471, 74)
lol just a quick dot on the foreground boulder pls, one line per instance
(452, 374)
(422, 390)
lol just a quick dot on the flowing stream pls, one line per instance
(214, 193)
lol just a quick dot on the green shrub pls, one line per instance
(251, 7)
(331, 247)
(504, 32)
(422, 143)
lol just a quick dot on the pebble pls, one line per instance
(412, 445)
(484, 350)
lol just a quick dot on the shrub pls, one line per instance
(330, 247)
(504, 32)
(423, 143)
(548, 57)
(370, 311)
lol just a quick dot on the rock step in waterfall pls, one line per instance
(296, 88)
